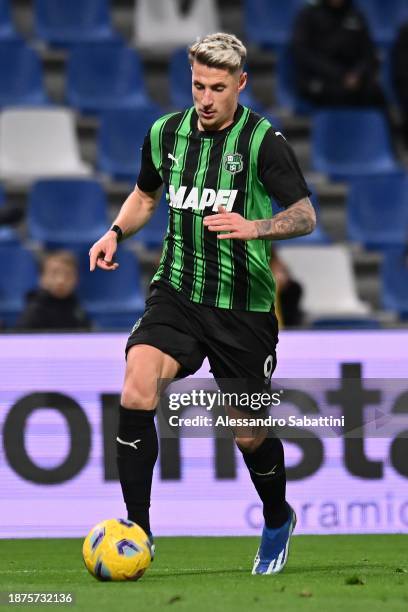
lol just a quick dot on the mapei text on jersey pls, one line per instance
(182, 198)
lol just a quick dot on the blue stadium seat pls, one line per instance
(386, 75)
(21, 75)
(104, 75)
(67, 213)
(7, 234)
(377, 210)
(66, 23)
(20, 278)
(347, 143)
(180, 80)
(7, 30)
(153, 232)
(395, 280)
(112, 299)
(121, 136)
(269, 22)
(286, 93)
(384, 18)
(180, 84)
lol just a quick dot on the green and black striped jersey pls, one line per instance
(240, 167)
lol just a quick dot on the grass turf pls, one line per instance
(326, 573)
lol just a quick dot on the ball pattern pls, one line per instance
(117, 549)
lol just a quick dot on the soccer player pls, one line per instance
(213, 293)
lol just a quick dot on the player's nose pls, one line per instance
(207, 99)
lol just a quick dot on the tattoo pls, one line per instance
(298, 220)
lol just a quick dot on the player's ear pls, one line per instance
(243, 77)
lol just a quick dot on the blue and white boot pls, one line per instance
(273, 552)
(152, 546)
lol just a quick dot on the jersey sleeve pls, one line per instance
(149, 179)
(279, 171)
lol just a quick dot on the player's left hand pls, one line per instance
(234, 224)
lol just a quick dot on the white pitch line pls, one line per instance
(84, 571)
(39, 571)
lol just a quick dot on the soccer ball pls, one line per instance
(117, 549)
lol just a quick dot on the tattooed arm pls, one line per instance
(297, 220)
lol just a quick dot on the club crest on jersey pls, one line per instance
(233, 162)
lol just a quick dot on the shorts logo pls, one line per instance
(233, 163)
(268, 367)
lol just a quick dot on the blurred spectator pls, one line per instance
(288, 293)
(10, 215)
(335, 59)
(55, 305)
(400, 74)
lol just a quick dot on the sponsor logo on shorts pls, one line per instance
(268, 367)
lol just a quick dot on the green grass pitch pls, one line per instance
(326, 573)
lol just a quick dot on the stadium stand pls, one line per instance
(152, 234)
(394, 274)
(269, 22)
(384, 18)
(112, 300)
(286, 93)
(159, 25)
(121, 137)
(39, 142)
(114, 149)
(387, 80)
(20, 278)
(104, 75)
(335, 59)
(348, 142)
(377, 211)
(7, 234)
(67, 23)
(398, 77)
(21, 75)
(327, 280)
(67, 213)
(7, 30)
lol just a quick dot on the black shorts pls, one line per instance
(237, 343)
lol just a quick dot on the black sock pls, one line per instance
(271, 487)
(136, 461)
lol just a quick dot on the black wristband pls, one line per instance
(118, 232)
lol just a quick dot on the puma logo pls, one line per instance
(270, 473)
(132, 444)
(174, 159)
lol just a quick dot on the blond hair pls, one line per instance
(219, 50)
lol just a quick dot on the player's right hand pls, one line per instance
(102, 253)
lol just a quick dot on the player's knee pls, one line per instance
(137, 396)
(247, 445)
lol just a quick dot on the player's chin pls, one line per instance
(209, 121)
